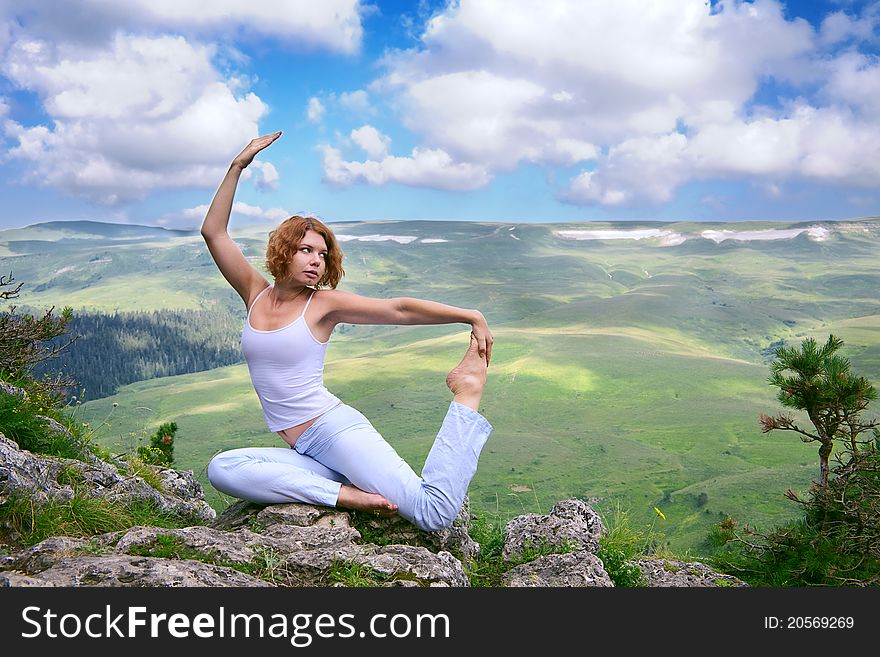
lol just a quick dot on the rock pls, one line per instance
(314, 539)
(48, 478)
(580, 568)
(243, 514)
(17, 579)
(571, 523)
(43, 555)
(455, 539)
(298, 556)
(411, 562)
(53, 426)
(302, 515)
(237, 514)
(119, 570)
(667, 572)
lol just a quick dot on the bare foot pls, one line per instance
(352, 497)
(468, 378)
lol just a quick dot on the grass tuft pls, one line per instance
(80, 516)
(356, 575)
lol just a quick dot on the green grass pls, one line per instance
(356, 575)
(488, 568)
(80, 516)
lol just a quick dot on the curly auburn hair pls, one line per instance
(284, 240)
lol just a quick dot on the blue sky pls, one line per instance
(482, 110)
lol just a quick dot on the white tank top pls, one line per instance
(287, 371)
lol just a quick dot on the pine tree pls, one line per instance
(818, 380)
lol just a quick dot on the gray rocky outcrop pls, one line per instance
(669, 572)
(580, 568)
(121, 570)
(279, 554)
(570, 524)
(292, 544)
(48, 478)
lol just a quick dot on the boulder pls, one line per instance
(571, 523)
(48, 478)
(668, 572)
(455, 539)
(120, 570)
(580, 568)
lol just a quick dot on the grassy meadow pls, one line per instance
(625, 371)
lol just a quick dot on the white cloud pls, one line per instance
(646, 96)
(494, 120)
(828, 144)
(192, 218)
(424, 168)
(146, 113)
(257, 212)
(315, 110)
(268, 180)
(331, 24)
(356, 101)
(839, 27)
(374, 143)
(854, 80)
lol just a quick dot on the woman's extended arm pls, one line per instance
(348, 308)
(229, 259)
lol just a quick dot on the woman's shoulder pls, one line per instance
(334, 295)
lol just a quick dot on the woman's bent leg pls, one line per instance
(271, 475)
(355, 449)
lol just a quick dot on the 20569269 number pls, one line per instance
(820, 622)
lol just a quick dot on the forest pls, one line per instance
(115, 349)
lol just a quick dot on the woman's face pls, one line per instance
(309, 261)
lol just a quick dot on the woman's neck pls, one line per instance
(283, 294)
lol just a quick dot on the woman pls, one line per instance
(337, 457)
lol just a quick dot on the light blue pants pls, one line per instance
(341, 447)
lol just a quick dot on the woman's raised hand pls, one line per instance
(255, 146)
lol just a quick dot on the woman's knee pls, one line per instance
(434, 516)
(220, 466)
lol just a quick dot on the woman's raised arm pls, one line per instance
(235, 268)
(349, 308)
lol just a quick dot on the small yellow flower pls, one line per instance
(659, 513)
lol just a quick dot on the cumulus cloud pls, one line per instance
(192, 218)
(356, 101)
(257, 212)
(146, 113)
(840, 26)
(642, 98)
(330, 24)
(423, 168)
(315, 110)
(371, 140)
(268, 180)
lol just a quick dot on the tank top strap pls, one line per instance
(257, 298)
(308, 301)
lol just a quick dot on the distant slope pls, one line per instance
(53, 231)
